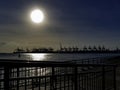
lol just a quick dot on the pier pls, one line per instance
(89, 74)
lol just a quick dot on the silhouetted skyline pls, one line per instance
(71, 22)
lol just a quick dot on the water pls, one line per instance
(43, 71)
(53, 56)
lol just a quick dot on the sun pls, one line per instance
(37, 16)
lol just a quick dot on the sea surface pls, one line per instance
(31, 72)
(54, 56)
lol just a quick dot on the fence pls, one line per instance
(20, 75)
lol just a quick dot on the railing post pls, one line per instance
(52, 79)
(103, 77)
(17, 78)
(75, 78)
(114, 69)
(6, 78)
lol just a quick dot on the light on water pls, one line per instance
(53, 56)
(38, 57)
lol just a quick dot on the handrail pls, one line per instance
(49, 64)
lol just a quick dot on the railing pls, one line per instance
(96, 60)
(56, 76)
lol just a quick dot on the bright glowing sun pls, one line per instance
(37, 16)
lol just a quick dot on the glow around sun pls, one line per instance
(37, 16)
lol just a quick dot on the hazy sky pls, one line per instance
(71, 22)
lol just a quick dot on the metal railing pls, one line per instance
(47, 75)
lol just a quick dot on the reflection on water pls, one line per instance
(38, 57)
(59, 57)
(54, 56)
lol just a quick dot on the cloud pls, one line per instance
(3, 43)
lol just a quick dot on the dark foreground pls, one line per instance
(89, 74)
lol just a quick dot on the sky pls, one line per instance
(70, 22)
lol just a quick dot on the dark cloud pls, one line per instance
(79, 21)
(3, 43)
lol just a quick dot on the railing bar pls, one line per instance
(79, 82)
(114, 71)
(75, 77)
(67, 82)
(101, 82)
(103, 77)
(94, 81)
(52, 78)
(53, 64)
(55, 81)
(32, 85)
(64, 82)
(17, 79)
(87, 81)
(45, 79)
(39, 83)
(60, 82)
(25, 79)
(6, 78)
(98, 82)
(82, 81)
